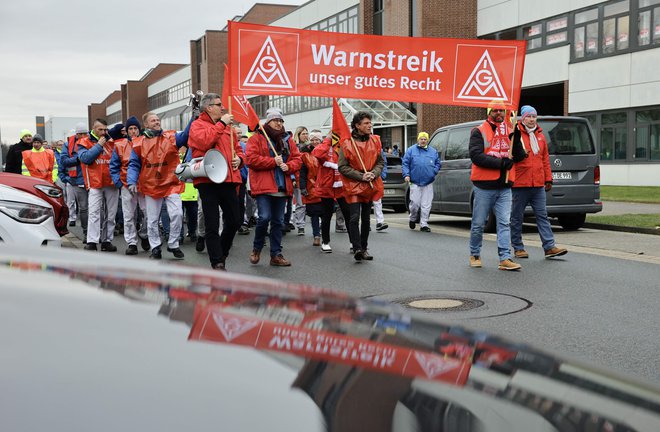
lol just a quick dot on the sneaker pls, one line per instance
(522, 253)
(219, 266)
(425, 229)
(475, 261)
(178, 253)
(243, 230)
(108, 247)
(555, 252)
(144, 243)
(156, 253)
(255, 256)
(381, 226)
(358, 255)
(132, 250)
(90, 247)
(279, 261)
(199, 245)
(325, 247)
(411, 224)
(72, 223)
(507, 264)
(367, 256)
(340, 230)
(317, 241)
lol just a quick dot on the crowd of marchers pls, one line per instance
(124, 179)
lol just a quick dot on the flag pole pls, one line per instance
(270, 143)
(233, 150)
(514, 125)
(357, 151)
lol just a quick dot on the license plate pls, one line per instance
(562, 176)
(390, 192)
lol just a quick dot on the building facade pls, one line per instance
(59, 128)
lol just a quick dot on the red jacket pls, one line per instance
(497, 146)
(159, 157)
(97, 174)
(40, 163)
(123, 147)
(206, 135)
(359, 191)
(312, 165)
(261, 162)
(534, 170)
(328, 180)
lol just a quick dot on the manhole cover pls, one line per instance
(442, 303)
(457, 304)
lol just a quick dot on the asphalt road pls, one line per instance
(599, 303)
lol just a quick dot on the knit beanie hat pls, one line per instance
(422, 135)
(316, 135)
(133, 121)
(24, 133)
(527, 110)
(273, 113)
(37, 138)
(115, 131)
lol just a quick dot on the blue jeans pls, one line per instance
(270, 210)
(316, 225)
(485, 200)
(534, 196)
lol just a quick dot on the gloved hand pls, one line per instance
(132, 189)
(507, 164)
(304, 192)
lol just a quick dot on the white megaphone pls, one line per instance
(213, 166)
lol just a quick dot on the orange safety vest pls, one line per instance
(358, 191)
(160, 157)
(39, 163)
(312, 165)
(497, 145)
(97, 174)
(123, 148)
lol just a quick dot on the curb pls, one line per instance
(635, 230)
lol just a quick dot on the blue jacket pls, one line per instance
(383, 173)
(67, 162)
(244, 168)
(135, 163)
(421, 165)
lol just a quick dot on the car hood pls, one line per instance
(8, 193)
(112, 343)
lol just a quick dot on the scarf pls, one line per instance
(533, 142)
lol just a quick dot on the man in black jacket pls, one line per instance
(14, 155)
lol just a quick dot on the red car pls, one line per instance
(47, 191)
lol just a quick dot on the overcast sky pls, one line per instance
(56, 57)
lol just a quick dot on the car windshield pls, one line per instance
(567, 137)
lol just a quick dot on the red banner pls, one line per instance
(281, 61)
(340, 130)
(238, 105)
(214, 324)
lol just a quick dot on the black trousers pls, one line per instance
(359, 225)
(328, 210)
(242, 191)
(225, 196)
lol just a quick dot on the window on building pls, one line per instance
(648, 22)
(615, 27)
(613, 136)
(647, 135)
(585, 41)
(171, 95)
(378, 17)
(113, 118)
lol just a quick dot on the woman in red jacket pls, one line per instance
(270, 183)
(533, 180)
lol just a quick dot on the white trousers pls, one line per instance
(378, 211)
(70, 199)
(421, 197)
(129, 203)
(175, 212)
(298, 216)
(107, 197)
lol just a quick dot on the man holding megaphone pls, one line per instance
(213, 131)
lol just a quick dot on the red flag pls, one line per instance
(340, 130)
(241, 108)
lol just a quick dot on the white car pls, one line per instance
(26, 219)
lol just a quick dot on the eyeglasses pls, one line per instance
(218, 104)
